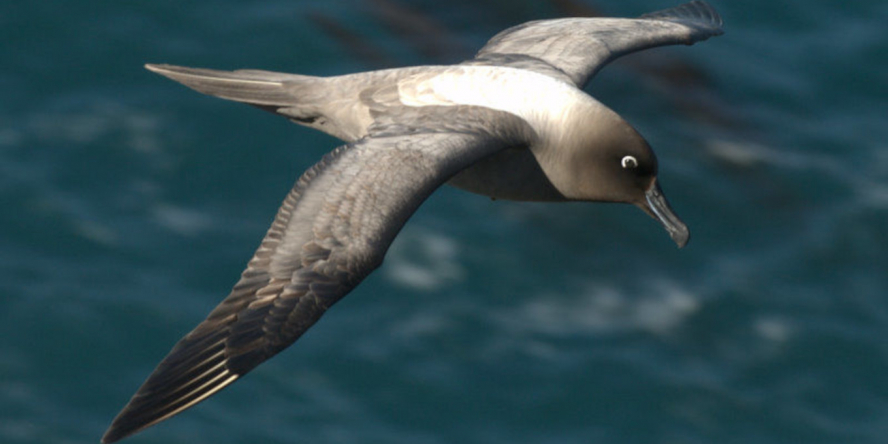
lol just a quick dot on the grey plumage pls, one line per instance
(579, 47)
(356, 199)
(408, 131)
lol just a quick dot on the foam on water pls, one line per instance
(422, 260)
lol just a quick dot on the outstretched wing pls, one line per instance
(578, 47)
(332, 230)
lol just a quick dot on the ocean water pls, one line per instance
(130, 205)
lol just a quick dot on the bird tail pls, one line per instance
(264, 89)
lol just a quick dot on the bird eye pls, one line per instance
(629, 162)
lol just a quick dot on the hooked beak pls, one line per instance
(656, 205)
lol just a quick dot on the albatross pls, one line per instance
(511, 123)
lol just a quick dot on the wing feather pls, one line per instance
(331, 231)
(580, 47)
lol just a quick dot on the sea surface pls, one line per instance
(130, 205)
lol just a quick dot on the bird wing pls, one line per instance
(576, 48)
(331, 231)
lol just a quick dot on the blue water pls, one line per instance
(131, 204)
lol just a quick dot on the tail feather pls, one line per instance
(264, 89)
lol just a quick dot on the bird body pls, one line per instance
(511, 123)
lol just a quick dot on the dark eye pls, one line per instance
(629, 162)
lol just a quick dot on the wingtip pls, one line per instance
(119, 430)
(193, 371)
(108, 438)
(133, 419)
(115, 433)
(699, 11)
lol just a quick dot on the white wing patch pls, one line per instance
(539, 99)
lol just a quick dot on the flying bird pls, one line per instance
(511, 123)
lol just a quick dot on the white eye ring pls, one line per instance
(629, 162)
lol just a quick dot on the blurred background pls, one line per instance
(130, 205)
